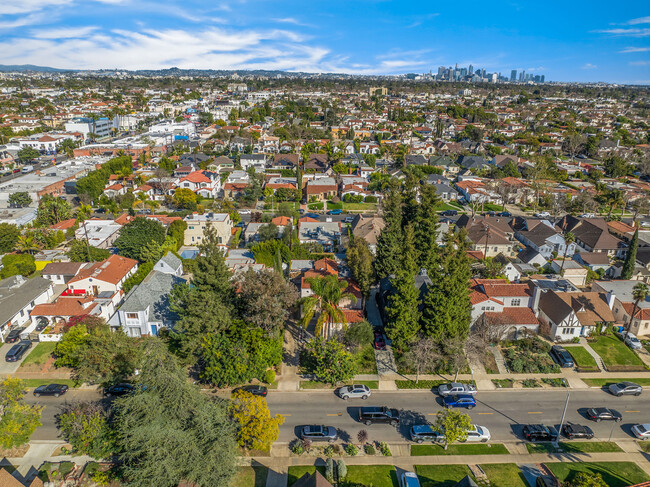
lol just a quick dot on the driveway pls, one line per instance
(7, 368)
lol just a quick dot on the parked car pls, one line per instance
(319, 433)
(409, 479)
(354, 391)
(573, 431)
(420, 433)
(379, 415)
(453, 388)
(539, 432)
(301, 211)
(641, 431)
(380, 341)
(460, 401)
(561, 356)
(632, 341)
(604, 414)
(55, 390)
(478, 433)
(506, 214)
(14, 335)
(587, 215)
(543, 214)
(16, 352)
(449, 213)
(335, 212)
(254, 390)
(348, 219)
(625, 389)
(120, 389)
(244, 212)
(315, 216)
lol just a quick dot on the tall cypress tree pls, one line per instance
(403, 307)
(389, 244)
(630, 258)
(426, 225)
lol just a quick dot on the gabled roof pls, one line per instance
(62, 268)
(111, 270)
(589, 307)
(16, 292)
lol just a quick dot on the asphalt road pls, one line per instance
(504, 413)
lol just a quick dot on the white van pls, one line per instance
(27, 169)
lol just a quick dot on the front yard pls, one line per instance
(460, 449)
(575, 447)
(615, 474)
(584, 361)
(529, 356)
(441, 475)
(504, 475)
(250, 477)
(40, 354)
(372, 475)
(616, 356)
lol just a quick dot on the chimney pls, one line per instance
(537, 293)
(611, 297)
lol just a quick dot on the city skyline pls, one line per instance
(611, 43)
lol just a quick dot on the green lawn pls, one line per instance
(575, 447)
(504, 475)
(251, 477)
(460, 449)
(614, 352)
(583, 359)
(42, 382)
(295, 472)
(615, 474)
(312, 384)
(492, 207)
(40, 353)
(642, 381)
(426, 384)
(372, 475)
(644, 445)
(366, 361)
(359, 206)
(441, 475)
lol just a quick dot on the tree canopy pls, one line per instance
(136, 235)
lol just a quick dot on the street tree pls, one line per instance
(329, 361)
(9, 234)
(639, 293)
(17, 420)
(85, 426)
(454, 424)
(360, 261)
(422, 355)
(256, 428)
(27, 154)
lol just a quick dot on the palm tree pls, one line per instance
(614, 198)
(26, 245)
(84, 212)
(569, 238)
(639, 293)
(327, 294)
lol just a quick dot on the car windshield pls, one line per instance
(642, 428)
(621, 385)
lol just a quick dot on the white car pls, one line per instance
(587, 215)
(478, 433)
(543, 214)
(354, 391)
(641, 431)
(409, 479)
(632, 341)
(244, 212)
(454, 388)
(645, 224)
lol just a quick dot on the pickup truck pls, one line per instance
(454, 388)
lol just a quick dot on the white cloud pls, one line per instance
(640, 63)
(635, 49)
(14, 7)
(64, 33)
(588, 66)
(539, 68)
(22, 21)
(640, 20)
(626, 32)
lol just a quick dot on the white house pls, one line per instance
(105, 276)
(18, 296)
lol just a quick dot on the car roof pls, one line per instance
(422, 428)
(627, 384)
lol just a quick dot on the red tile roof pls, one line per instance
(111, 270)
(512, 316)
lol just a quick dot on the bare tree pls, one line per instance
(573, 144)
(424, 353)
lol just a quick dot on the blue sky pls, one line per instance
(568, 41)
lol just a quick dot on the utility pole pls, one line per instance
(559, 432)
(87, 243)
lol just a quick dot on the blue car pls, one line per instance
(460, 401)
(335, 212)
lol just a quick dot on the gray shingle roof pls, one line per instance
(16, 292)
(153, 291)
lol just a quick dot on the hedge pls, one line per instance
(138, 277)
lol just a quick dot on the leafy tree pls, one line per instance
(176, 230)
(135, 236)
(358, 334)
(169, 431)
(79, 251)
(265, 299)
(17, 419)
(14, 264)
(9, 234)
(208, 303)
(639, 293)
(403, 311)
(327, 293)
(390, 239)
(455, 425)
(268, 232)
(329, 361)
(20, 199)
(616, 166)
(67, 349)
(590, 479)
(85, 426)
(256, 428)
(27, 154)
(630, 258)
(185, 199)
(26, 245)
(360, 261)
(52, 210)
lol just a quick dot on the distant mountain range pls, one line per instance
(30, 67)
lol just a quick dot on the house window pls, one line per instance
(515, 302)
(132, 316)
(32, 304)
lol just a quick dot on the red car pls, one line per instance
(380, 342)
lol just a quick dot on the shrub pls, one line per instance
(530, 383)
(296, 447)
(329, 451)
(383, 447)
(306, 444)
(369, 449)
(362, 436)
(91, 468)
(342, 469)
(329, 470)
(351, 450)
(269, 376)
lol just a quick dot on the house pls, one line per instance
(421, 282)
(474, 163)
(104, 276)
(447, 164)
(622, 294)
(18, 297)
(204, 183)
(145, 310)
(545, 239)
(368, 228)
(574, 314)
(595, 261)
(443, 188)
(592, 235)
(316, 163)
(315, 479)
(532, 257)
(327, 234)
(492, 236)
(506, 305)
(61, 272)
(221, 162)
(8, 480)
(98, 233)
(285, 161)
(65, 307)
(114, 190)
(196, 225)
(321, 189)
(571, 271)
(252, 160)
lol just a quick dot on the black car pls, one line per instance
(16, 352)
(539, 432)
(380, 415)
(14, 335)
(449, 213)
(319, 433)
(120, 389)
(572, 431)
(55, 390)
(507, 214)
(254, 390)
(561, 356)
(604, 414)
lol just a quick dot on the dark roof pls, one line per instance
(416, 160)
(472, 162)
(441, 161)
(312, 480)
(539, 234)
(16, 292)
(61, 269)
